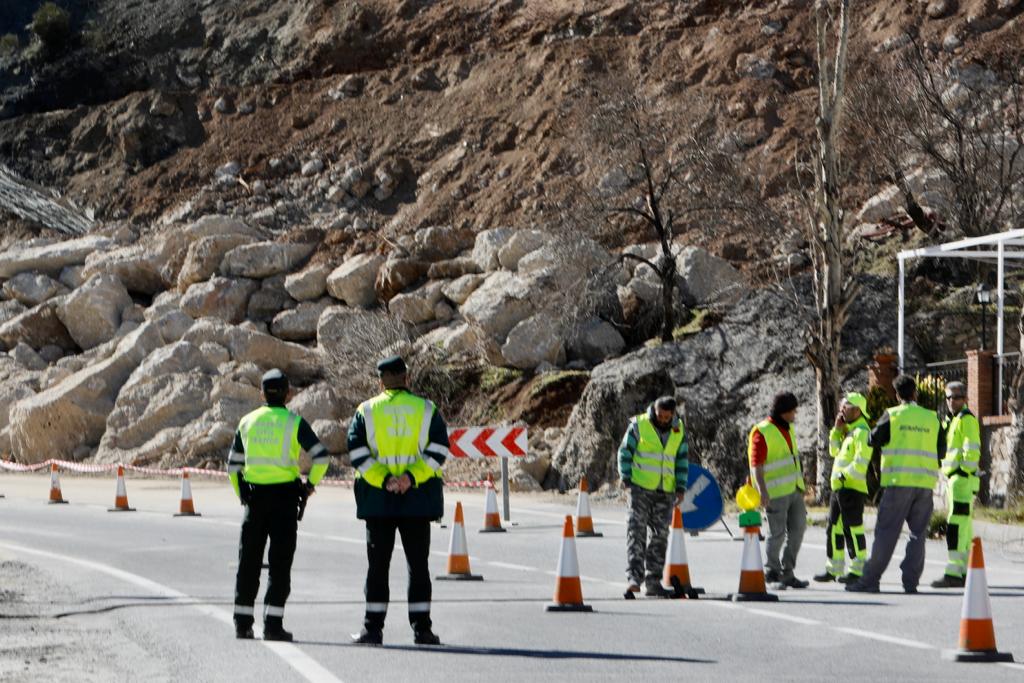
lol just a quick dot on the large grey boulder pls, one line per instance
(32, 289)
(500, 303)
(317, 402)
(724, 377)
(92, 313)
(51, 258)
(38, 327)
(220, 297)
(707, 279)
(300, 323)
(521, 243)
(269, 300)
(536, 340)
(264, 259)
(309, 283)
(333, 324)
(597, 340)
(354, 281)
(73, 413)
(204, 256)
(416, 307)
(249, 346)
(459, 289)
(488, 244)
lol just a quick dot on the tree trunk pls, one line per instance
(826, 385)
(668, 290)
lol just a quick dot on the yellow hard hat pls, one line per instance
(855, 399)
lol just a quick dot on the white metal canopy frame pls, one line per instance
(997, 248)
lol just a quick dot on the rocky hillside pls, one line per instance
(248, 180)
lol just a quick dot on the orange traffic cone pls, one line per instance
(568, 591)
(186, 509)
(752, 586)
(677, 571)
(458, 554)
(121, 496)
(977, 634)
(55, 495)
(492, 520)
(584, 522)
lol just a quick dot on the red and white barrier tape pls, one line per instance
(176, 472)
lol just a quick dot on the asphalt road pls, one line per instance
(92, 595)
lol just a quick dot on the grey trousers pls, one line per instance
(900, 504)
(787, 521)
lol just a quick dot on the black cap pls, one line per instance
(274, 381)
(392, 365)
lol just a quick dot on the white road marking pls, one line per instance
(784, 616)
(308, 667)
(884, 638)
(509, 565)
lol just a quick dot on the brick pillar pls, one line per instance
(881, 372)
(979, 382)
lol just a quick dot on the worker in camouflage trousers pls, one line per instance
(653, 467)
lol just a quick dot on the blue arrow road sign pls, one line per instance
(702, 504)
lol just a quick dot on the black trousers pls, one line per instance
(848, 504)
(272, 513)
(380, 544)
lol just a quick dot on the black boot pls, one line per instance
(368, 637)
(243, 630)
(824, 577)
(425, 636)
(273, 629)
(949, 581)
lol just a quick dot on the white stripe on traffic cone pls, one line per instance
(121, 496)
(186, 508)
(458, 553)
(568, 591)
(752, 585)
(977, 632)
(492, 520)
(584, 522)
(56, 498)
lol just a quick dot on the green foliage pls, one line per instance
(931, 391)
(691, 327)
(9, 44)
(493, 378)
(878, 403)
(52, 25)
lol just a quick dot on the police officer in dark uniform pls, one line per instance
(263, 466)
(397, 442)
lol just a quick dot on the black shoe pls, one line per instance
(772, 576)
(910, 590)
(426, 637)
(368, 637)
(849, 578)
(949, 581)
(244, 633)
(656, 590)
(793, 582)
(277, 633)
(825, 578)
(860, 587)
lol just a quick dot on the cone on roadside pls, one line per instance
(568, 591)
(584, 522)
(492, 520)
(121, 495)
(752, 585)
(977, 633)
(458, 554)
(186, 508)
(677, 570)
(55, 495)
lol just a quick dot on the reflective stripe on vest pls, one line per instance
(963, 444)
(849, 462)
(909, 458)
(654, 463)
(270, 436)
(397, 433)
(782, 472)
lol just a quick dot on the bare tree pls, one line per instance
(652, 169)
(964, 122)
(834, 284)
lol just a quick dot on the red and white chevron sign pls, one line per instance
(487, 442)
